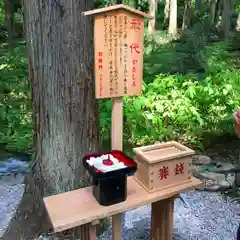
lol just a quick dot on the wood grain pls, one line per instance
(75, 208)
(117, 144)
(114, 8)
(162, 219)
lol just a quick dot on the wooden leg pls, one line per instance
(87, 232)
(117, 227)
(162, 219)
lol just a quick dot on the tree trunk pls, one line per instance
(9, 19)
(152, 12)
(226, 17)
(187, 15)
(166, 11)
(212, 12)
(238, 23)
(198, 5)
(60, 46)
(173, 18)
(219, 8)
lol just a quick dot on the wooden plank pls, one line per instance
(114, 8)
(117, 227)
(162, 219)
(117, 144)
(87, 232)
(117, 123)
(71, 209)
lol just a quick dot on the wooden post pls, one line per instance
(162, 219)
(88, 231)
(117, 123)
(117, 142)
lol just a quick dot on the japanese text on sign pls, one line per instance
(100, 68)
(119, 37)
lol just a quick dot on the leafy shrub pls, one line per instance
(15, 111)
(184, 106)
(179, 107)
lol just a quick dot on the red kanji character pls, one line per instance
(100, 60)
(179, 168)
(134, 61)
(100, 67)
(100, 54)
(134, 84)
(134, 69)
(135, 46)
(135, 23)
(163, 173)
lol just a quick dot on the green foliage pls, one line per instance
(184, 106)
(15, 112)
(1, 12)
(192, 100)
(191, 87)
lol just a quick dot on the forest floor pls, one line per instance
(208, 216)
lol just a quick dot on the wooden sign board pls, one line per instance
(118, 47)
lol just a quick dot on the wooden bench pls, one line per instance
(78, 208)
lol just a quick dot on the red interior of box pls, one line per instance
(118, 155)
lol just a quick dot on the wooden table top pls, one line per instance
(74, 208)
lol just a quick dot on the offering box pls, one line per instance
(163, 165)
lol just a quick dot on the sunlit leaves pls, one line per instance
(15, 110)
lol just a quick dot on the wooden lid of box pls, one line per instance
(163, 152)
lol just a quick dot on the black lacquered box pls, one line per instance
(110, 187)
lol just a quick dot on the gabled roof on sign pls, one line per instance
(116, 7)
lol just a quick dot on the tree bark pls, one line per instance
(152, 12)
(226, 17)
(173, 18)
(212, 12)
(166, 11)
(65, 113)
(9, 19)
(187, 15)
(198, 5)
(218, 13)
(238, 23)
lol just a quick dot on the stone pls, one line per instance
(226, 168)
(213, 188)
(216, 181)
(212, 176)
(13, 166)
(201, 160)
(224, 184)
